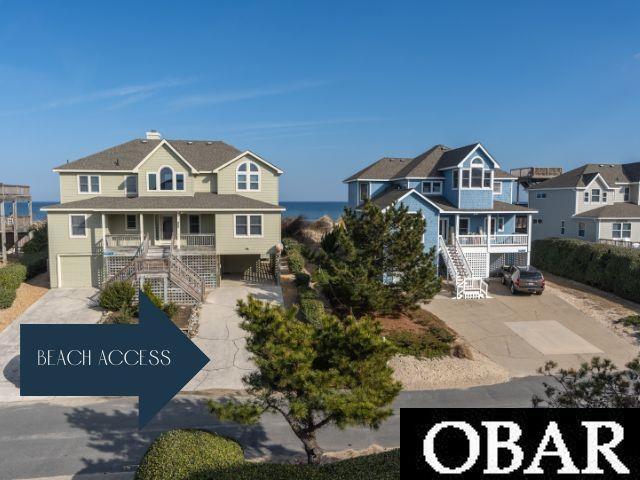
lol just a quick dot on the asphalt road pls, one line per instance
(73, 438)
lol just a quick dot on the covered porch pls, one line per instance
(191, 232)
(491, 232)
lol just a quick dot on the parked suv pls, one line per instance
(523, 279)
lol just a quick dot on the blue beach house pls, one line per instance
(467, 202)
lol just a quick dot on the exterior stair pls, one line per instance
(467, 286)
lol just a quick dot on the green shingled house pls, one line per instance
(178, 213)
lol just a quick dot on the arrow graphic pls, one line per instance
(152, 360)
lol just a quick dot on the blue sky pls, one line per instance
(320, 88)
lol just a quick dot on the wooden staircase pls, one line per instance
(467, 286)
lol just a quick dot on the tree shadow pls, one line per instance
(120, 446)
(11, 371)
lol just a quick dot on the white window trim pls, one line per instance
(199, 223)
(621, 230)
(499, 220)
(126, 185)
(431, 183)
(586, 197)
(499, 192)
(86, 227)
(248, 174)
(126, 223)
(360, 200)
(584, 229)
(482, 178)
(148, 175)
(89, 192)
(468, 219)
(626, 194)
(604, 197)
(593, 195)
(248, 235)
(175, 182)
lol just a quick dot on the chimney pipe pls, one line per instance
(153, 135)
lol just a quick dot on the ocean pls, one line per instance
(310, 210)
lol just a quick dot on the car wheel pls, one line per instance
(538, 293)
(513, 289)
(504, 282)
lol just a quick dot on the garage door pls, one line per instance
(79, 271)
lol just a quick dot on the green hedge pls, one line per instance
(7, 297)
(200, 455)
(296, 261)
(36, 263)
(302, 280)
(609, 268)
(11, 277)
(117, 295)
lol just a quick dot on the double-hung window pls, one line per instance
(604, 197)
(132, 222)
(456, 179)
(194, 224)
(476, 177)
(595, 195)
(582, 227)
(463, 226)
(626, 191)
(152, 182)
(586, 197)
(465, 179)
(621, 230)
(434, 187)
(131, 185)
(88, 183)
(248, 225)
(78, 226)
(497, 187)
(562, 229)
(180, 181)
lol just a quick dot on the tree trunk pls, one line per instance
(314, 452)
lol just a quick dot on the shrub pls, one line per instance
(312, 311)
(12, 276)
(432, 343)
(36, 263)
(124, 316)
(171, 309)
(188, 454)
(116, 295)
(39, 241)
(148, 291)
(296, 261)
(7, 296)
(290, 245)
(631, 321)
(609, 268)
(302, 280)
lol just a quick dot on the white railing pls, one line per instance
(477, 284)
(465, 262)
(472, 240)
(516, 239)
(123, 240)
(627, 243)
(197, 240)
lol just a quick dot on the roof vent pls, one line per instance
(189, 143)
(153, 135)
(144, 141)
(209, 143)
(601, 165)
(117, 162)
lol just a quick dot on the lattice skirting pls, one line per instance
(206, 266)
(478, 263)
(167, 290)
(262, 272)
(498, 260)
(114, 263)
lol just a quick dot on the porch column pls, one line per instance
(457, 225)
(529, 226)
(178, 228)
(30, 212)
(3, 227)
(15, 226)
(489, 230)
(141, 228)
(104, 232)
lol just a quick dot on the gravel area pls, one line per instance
(446, 372)
(604, 307)
(26, 295)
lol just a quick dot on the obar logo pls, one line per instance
(519, 443)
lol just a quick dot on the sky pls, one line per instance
(320, 89)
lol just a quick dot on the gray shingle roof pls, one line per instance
(383, 169)
(581, 176)
(203, 155)
(200, 201)
(454, 156)
(388, 197)
(499, 173)
(498, 206)
(617, 210)
(425, 164)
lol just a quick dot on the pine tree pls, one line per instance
(332, 373)
(376, 262)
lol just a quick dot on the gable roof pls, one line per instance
(617, 210)
(203, 155)
(581, 177)
(499, 173)
(427, 164)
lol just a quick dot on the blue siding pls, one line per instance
(507, 192)
(448, 192)
(353, 194)
(415, 204)
(476, 199)
(378, 187)
(509, 224)
(479, 153)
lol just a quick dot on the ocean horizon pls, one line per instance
(309, 210)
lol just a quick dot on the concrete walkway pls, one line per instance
(222, 339)
(62, 305)
(522, 332)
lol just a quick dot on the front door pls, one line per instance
(444, 228)
(166, 228)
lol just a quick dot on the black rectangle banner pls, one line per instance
(519, 443)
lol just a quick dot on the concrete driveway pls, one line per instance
(222, 339)
(62, 305)
(522, 332)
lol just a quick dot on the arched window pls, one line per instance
(477, 168)
(248, 177)
(166, 179)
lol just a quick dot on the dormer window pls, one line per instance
(432, 187)
(595, 195)
(88, 183)
(248, 177)
(475, 176)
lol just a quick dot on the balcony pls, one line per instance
(502, 240)
(199, 240)
(123, 240)
(625, 242)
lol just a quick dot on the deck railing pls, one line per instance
(123, 240)
(197, 240)
(627, 243)
(500, 239)
(17, 190)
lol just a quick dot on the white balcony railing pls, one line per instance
(197, 240)
(627, 243)
(500, 239)
(123, 240)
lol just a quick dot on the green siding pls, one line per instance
(111, 185)
(226, 243)
(161, 158)
(268, 183)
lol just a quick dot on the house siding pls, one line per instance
(226, 243)
(448, 191)
(111, 185)
(353, 194)
(205, 183)
(507, 191)
(582, 206)
(476, 198)
(269, 190)
(606, 229)
(559, 205)
(416, 204)
(161, 158)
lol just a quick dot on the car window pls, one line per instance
(531, 275)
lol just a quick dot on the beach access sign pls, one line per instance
(152, 360)
(519, 443)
